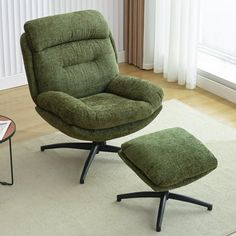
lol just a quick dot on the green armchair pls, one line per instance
(72, 71)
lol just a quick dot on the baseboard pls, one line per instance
(217, 88)
(148, 66)
(121, 56)
(13, 81)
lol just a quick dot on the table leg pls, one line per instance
(11, 164)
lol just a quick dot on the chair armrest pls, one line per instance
(136, 89)
(68, 108)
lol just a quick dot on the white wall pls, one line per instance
(149, 34)
(121, 26)
(14, 13)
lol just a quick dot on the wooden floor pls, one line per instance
(17, 104)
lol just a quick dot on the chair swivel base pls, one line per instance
(94, 147)
(164, 196)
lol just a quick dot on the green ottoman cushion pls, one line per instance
(168, 159)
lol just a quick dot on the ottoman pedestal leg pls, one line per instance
(164, 196)
(161, 210)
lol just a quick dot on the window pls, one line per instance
(217, 49)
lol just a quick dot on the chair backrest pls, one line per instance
(73, 53)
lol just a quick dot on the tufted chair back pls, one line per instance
(73, 53)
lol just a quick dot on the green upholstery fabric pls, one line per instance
(168, 159)
(79, 68)
(51, 31)
(72, 53)
(95, 135)
(71, 66)
(136, 89)
(29, 67)
(100, 111)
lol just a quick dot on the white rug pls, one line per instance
(48, 200)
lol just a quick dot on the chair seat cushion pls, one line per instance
(168, 159)
(100, 111)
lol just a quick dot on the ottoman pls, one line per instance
(166, 160)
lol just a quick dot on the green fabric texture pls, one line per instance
(114, 46)
(71, 66)
(100, 111)
(54, 30)
(136, 89)
(95, 135)
(168, 159)
(29, 67)
(72, 53)
(80, 68)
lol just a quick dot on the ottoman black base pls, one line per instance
(164, 196)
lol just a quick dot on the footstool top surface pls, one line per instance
(168, 159)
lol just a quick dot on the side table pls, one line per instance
(8, 135)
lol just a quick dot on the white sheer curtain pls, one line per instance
(176, 36)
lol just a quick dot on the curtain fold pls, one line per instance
(134, 31)
(176, 39)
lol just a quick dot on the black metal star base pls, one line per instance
(164, 196)
(94, 147)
